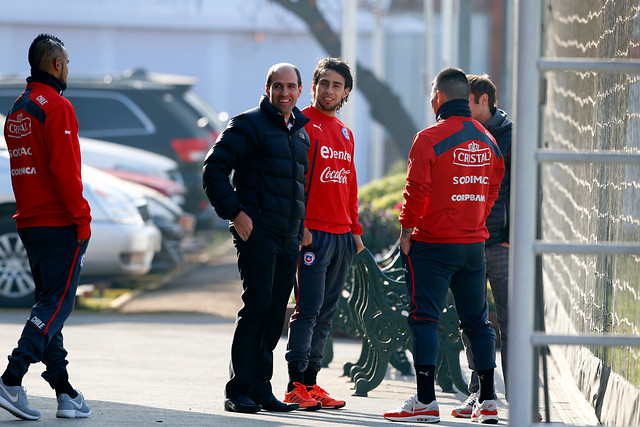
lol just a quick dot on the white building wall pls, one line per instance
(227, 45)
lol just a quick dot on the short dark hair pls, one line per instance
(275, 68)
(340, 67)
(452, 82)
(481, 84)
(44, 46)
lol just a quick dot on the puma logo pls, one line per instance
(317, 126)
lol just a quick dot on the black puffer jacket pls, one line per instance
(498, 220)
(269, 163)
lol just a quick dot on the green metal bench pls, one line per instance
(374, 307)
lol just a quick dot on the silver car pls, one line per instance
(123, 239)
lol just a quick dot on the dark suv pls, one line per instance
(154, 112)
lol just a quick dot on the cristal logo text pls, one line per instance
(472, 156)
(19, 127)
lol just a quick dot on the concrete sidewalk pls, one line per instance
(139, 370)
(169, 365)
(170, 369)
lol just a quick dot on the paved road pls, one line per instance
(210, 285)
(160, 369)
(162, 360)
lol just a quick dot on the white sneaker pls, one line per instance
(414, 410)
(466, 408)
(14, 400)
(485, 412)
(72, 408)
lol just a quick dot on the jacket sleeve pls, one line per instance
(231, 147)
(417, 190)
(61, 136)
(356, 228)
(494, 184)
(307, 177)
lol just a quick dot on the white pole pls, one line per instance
(377, 137)
(429, 55)
(506, 100)
(349, 44)
(449, 29)
(523, 215)
(464, 34)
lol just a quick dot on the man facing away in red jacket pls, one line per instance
(53, 220)
(453, 177)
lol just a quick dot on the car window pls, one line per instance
(201, 107)
(7, 98)
(108, 114)
(99, 114)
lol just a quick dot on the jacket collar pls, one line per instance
(39, 76)
(299, 119)
(498, 122)
(455, 107)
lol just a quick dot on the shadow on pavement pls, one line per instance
(113, 414)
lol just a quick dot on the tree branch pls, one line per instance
(385, 106)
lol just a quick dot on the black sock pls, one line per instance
(426, 384)
(295, 376)
(10, 380)
(62, 386)
(487, 391)
(66, 388)
(310, 377)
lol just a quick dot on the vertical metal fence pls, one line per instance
(578, 118)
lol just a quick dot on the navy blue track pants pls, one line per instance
(55, 258)
(430, 270)
(324, 266)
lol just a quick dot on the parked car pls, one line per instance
(131, 164)
(155, 112)
(174, 224)
(123, 238)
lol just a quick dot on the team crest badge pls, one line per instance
(308, 258)
(82, 261)
(345, 133)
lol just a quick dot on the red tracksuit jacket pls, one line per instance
(41, 132)
(332, 186)
(454, 172)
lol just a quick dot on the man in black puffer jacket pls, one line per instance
(266, 149)
(483, 103)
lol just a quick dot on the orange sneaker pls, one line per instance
(300, 395)
(318, 393)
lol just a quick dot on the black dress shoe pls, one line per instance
(241, 404)
(270, 403)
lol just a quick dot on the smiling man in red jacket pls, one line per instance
(53, 221)
(453, 177)
(331, 234)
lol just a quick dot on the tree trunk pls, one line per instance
(385, 106)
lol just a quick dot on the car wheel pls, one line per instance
(16, 282)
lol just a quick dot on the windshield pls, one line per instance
(204, 109)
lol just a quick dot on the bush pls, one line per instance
(380, 202)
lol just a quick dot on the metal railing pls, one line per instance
(524, 194)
